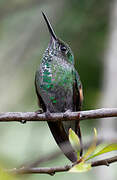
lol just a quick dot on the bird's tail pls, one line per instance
(62, 140)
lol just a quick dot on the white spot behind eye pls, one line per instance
(66, 51)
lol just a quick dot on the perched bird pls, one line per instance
(59, 89)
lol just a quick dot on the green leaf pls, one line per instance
(102, 150)
(81, 167)
(97, 150)
(92, 147)
(75, 142)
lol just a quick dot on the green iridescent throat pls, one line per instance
(56, 74)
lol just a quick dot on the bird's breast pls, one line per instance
(56, 86)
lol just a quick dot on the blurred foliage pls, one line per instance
(87, 34)
(24, 37)
(6, 176)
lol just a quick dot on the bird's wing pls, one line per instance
(57, 128)
(77, 103)
(77, 93)
(58, 131)
(40, 100)
(62, 140)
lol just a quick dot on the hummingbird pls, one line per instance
(59, 89)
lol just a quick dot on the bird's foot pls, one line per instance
(48, 114)
(66, 113)
(39, 111)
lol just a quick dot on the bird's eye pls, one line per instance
(63, 48)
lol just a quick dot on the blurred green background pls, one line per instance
(83, 24)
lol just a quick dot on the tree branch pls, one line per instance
(105, 162)
(53, 170)
(56, 154)
(41, 170)
(81, 115)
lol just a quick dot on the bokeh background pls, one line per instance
(90, 28)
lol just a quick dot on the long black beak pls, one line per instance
(49, 26)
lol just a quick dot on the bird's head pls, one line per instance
(56, 46)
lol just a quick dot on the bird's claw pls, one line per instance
(66, 113)
(39, 111)
(48, 114)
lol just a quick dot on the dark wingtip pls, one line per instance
(49, 26)
(62, 140)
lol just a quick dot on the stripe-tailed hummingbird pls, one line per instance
(59, 89)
